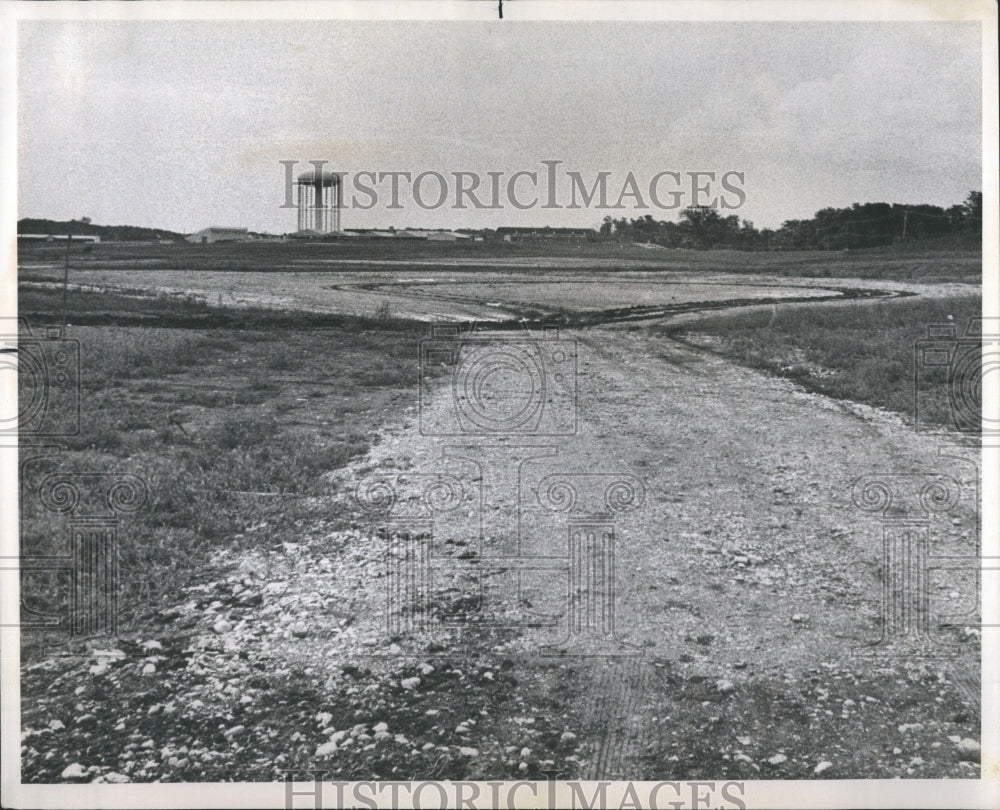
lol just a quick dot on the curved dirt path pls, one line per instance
(440, 295)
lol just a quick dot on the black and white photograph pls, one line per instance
(499, 403)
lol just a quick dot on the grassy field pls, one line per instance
(231, 420)
(927, 261)
(861, 352)
(233, 417)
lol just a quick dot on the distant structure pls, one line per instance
(319, 202)
(407, 233)
(210, 235)
(59, 237)
(518, 234)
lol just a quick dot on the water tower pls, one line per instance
(319, 202)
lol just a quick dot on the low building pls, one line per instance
(407, 233)
(59, 237)
(518, 234)
(210, 235)
(446, 236)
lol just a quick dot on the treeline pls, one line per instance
(84, 227)
(861, 225)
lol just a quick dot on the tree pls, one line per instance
(703, 223)
(973, 206)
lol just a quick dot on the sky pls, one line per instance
(181, 125)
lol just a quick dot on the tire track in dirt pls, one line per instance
(612, 694)
(608, 715)
(737, 465)
(747, 522)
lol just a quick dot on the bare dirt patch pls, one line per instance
(437, 295)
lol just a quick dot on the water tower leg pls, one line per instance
(336, 214)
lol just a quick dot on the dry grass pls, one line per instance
(230, 427)
(861, 352)
(928, 260)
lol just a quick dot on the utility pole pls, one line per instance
(906, 214)
(69, 238)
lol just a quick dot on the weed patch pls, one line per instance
(860, 352)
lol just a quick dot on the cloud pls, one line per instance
(201, 113)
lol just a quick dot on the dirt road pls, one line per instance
(595, 553)
(688, 569)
